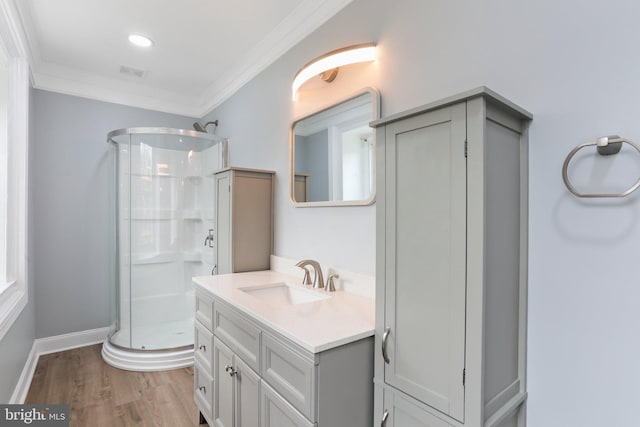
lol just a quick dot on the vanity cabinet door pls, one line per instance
(425, 233)
(223, 397)
(290, 374)
(277, 412)
(236, 399)
(401, 412)
(247, 395)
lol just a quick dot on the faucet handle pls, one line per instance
(330, 285)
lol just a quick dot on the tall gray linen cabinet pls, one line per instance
(451, 275)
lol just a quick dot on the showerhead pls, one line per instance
(203, 128)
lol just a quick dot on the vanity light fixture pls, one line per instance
(327, 65)
(140, 40)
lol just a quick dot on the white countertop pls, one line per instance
(316, 326)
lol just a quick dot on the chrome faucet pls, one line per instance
(318, 280)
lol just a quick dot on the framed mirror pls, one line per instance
(332, 153)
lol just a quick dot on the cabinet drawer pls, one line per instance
(203, 347)
(403, 411)
(289, 374)
(277, 412)
(203, 392)
(204, 310)
(237, 333)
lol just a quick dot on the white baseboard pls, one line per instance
(68, 341)
(24, 382)
(53, 344)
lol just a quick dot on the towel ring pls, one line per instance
(607, 145)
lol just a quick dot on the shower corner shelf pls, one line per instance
(154, 257)
(154, 175)
(150, 214)
(192, 215)
(192, 256)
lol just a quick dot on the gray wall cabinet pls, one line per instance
(249, 375)
(243, 230)
(451, 263)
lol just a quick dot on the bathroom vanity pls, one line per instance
(271, 352)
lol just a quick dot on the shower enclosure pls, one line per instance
(162, 205)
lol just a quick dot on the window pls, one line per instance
(4, 101)
(14, 116)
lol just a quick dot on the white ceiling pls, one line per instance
(204, 50)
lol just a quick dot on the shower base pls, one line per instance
(158, 336)
(164, 346)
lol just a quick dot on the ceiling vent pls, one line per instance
(133, 72)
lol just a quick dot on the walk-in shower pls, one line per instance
(162, 204)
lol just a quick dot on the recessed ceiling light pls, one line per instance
(141, 41)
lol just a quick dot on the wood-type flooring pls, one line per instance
(101, 395)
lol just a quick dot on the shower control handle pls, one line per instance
(209, 239)
(230, 370)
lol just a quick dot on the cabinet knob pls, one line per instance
(383, 423)
(385, 336)
(230, 370)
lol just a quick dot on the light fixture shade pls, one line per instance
(140, 40)
(334, 59)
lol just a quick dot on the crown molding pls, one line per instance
(69, 81)
(301, 22)
(13, 30)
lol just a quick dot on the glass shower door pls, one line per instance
(164, 206)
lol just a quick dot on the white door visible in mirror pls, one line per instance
(333, 154)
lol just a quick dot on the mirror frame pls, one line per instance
(375, 115)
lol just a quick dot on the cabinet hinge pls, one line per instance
(229, 189)
(464, 377)
(465, 149)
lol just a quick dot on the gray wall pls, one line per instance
(69, 183)
(575, 67)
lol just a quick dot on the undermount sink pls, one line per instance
(281, 294)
